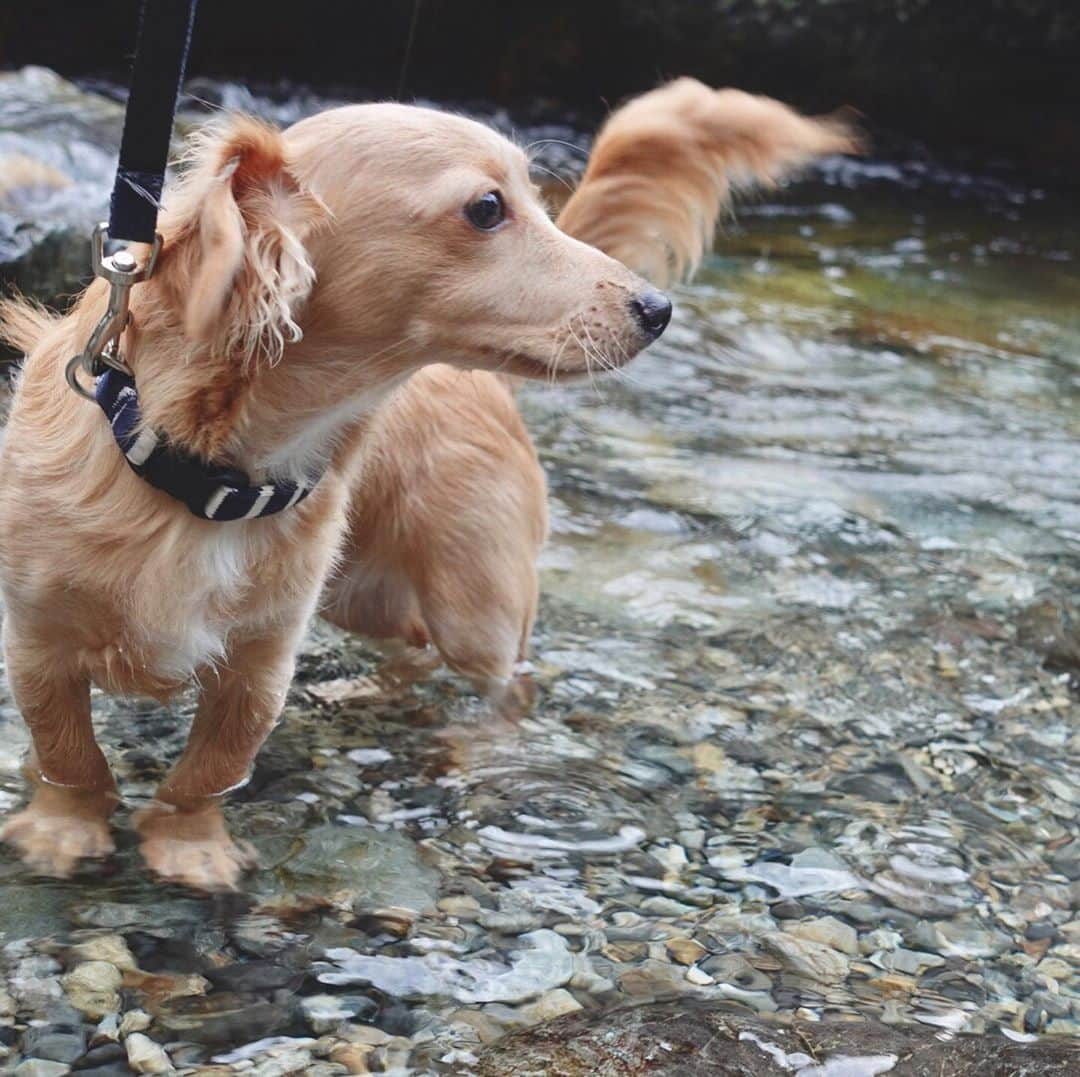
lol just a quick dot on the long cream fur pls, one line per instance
(664, 166)
(460, 572)
(323, 303)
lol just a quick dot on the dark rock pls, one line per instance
(787, 909)
(1040, 930)
(57, 1046)
(105, 1055)
(223, 1018)
(680, 1039)
(254, 976)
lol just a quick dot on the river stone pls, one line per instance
(811, 959)
(146, 1056)
(362, 868)
(222, 1018)
(549, 1006)
(93, 988)
(829, 932)
(687, 1039)
(70, 136)
(110, 948)
(135, 1021)
(686, 951)
(46, 1041)
(39, 1067)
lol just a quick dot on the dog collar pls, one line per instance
(211, 493)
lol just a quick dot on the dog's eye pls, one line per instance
(487, 212)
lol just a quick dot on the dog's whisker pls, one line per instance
(557, 142)
(553, 174)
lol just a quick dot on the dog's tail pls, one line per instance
(23, 323)
(664, 164)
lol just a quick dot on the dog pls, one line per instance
(318, 294)
(444, 536)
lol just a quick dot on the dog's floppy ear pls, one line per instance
(242, 223)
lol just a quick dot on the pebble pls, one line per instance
(510, 923)
(698, 976)
(909, 961)
(651, 979)
(487, 1029)
(93, 988)
(880, 939)
(367, 1034)
(829, 932)
(107, 1031)
(146, 1056)
(548, 1006)
(324, 1013)
(39, 1067)
(463, 906)
(46, 1041)
(806, 958)
(110, 948)
(686, 951)
(135, 1021)
(353, 1056)
(665, 906)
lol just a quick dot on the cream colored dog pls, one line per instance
(306, 276)
(450, 511)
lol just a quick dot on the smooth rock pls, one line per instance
(364, 868)
(353, 1056)
(806, 958)
(135, 1021)
(324, 1013)
(40, 1067)
(110, 948)
(686, 951)
(548, 1006)
(107, 1031)
(829, 932)
(145, 1055)
(57, 1046)
(93, 988)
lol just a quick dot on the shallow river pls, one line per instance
(806, 734)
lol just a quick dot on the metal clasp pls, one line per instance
(121, 270)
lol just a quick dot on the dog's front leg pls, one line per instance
(74, 791)
(184, 837)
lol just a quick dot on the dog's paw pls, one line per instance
(52, 843)
(193, 848)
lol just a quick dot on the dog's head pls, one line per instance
(388, 236)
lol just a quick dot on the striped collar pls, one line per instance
(212, 493)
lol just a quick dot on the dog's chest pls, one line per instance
(179, 622)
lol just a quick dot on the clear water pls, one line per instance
(807, 649)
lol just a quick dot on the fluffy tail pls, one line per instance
(23, 323)
(663, 167)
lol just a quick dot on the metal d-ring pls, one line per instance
(121, 270)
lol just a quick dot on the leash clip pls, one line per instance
(122, 270)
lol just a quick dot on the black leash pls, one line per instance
(161, 51)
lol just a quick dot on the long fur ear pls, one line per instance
(241, 223)
(664, 164)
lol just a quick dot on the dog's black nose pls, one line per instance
(652, 310)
